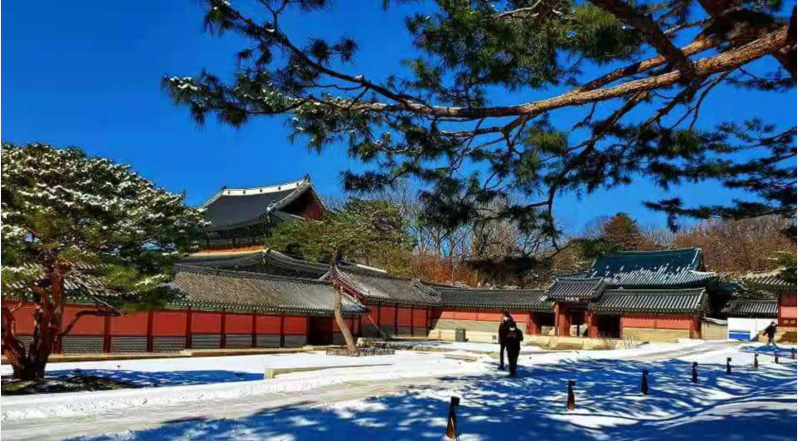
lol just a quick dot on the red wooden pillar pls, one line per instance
(223, 343)
(254, 328)
(379, 317)
(282, 329)
(396, 320)
(107, 334)
(427, 324)
(412, 321)
(590, 322)
(562, 320)
(189, 317)
(150, 320)
(557, 319)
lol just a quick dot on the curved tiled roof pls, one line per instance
(752, 308)
(649, 269)
(576, 290)
(378, 287)
(659, 301)
(208, 287)
(236, 208)
(769, 282)
(496, 299)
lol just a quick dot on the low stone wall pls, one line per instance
(468, 325)
(712, 330)
(471, 336)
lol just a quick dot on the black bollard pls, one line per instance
(451, 426)
(776, 356)
(644, 383)
(756, 361)
(792, 351)
(728, 365)
(695, 372)
(571, 398)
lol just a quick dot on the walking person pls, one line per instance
(770, 331)
(504, 327)
(513, 343)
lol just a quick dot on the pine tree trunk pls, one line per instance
(339, 318)
(30, 364)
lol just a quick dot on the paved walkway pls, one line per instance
(145, 418)
(149, 417)
(700, 349)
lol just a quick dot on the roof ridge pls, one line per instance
(298, 184)
(264, 187)
(644, 290)
(575, 280)
(654, 251)
(374, 273)
(243, 274)
(282, 257)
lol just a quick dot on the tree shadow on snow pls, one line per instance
(164, 378)
(747, 404)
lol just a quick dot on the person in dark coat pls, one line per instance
(504, 327)
(513, 342)
(770, 331)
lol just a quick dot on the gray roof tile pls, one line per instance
(495, 299)
(659, 301)
(210, 287)
(649, 269)
(576, 290)
(378, 287)
(752, 308)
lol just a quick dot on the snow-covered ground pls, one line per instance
(219, 398)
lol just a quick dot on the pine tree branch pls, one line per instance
(766, 45)
(693, 48)
(650, 32)
(717, 9)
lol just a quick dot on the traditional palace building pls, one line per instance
(236, 294)
(242, 217)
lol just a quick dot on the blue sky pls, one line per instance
(88, 73)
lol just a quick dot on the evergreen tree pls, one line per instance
(358, 230)
(79, 226)
(624, 234)
(438, 126)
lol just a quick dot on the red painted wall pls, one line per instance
(238, 323)
(658, 321)
(787, 310)
(295, 325)
(170, 323)
(420, 318)
(465, 315)
(87, 325)
(268, 324)
(130, 324)
(405, 316)
(489, 316)
(206, 323)
(387, 315)
(24, 318)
